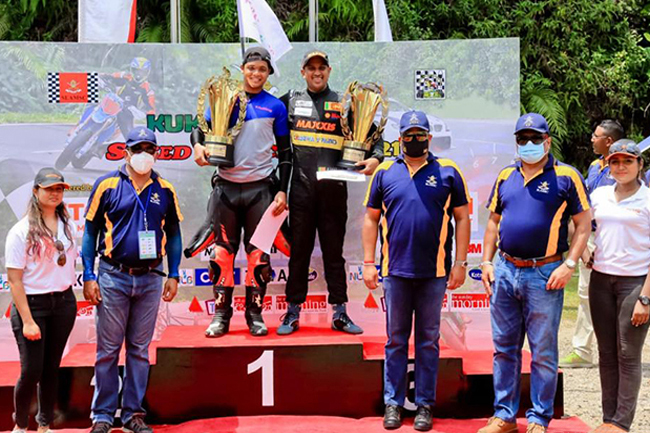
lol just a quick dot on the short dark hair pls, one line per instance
(613, 129)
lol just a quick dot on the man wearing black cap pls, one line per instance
(135, 215)
(318, 206)
(242, 194)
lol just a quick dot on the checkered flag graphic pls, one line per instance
(430, 84)
(53, 88)
(93, 87)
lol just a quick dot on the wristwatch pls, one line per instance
(644, 300)
(462, 263)
(571, 264)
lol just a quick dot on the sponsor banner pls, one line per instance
(85, 309)
(314, 303)
(355, 273)
(473, 212)
(76, 207)
(186, 277)
(72, 87)
(475, 248)
(4, 283)
(475, 274)
(470, 301)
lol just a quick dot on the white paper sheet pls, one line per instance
(267, 229)
(345, 175)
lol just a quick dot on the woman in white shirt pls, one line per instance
(40, 256)
(619, 287)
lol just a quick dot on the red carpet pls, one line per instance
(321, 424)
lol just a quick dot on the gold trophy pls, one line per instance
(364, 101)
(223, 93)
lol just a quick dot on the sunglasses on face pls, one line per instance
(59, 247)
(138, 149)
(419, 137)
(535, 139)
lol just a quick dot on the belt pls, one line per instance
(133, 270)
(530, 263)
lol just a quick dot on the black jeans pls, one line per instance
(620, 344)
(54, 313)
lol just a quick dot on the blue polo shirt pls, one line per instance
(416, 230)
(112, 206)
(598, 175)
(535, 212)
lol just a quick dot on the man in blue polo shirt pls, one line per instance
(605, 134)
(530, 207)
(134, 213)
(415, 198)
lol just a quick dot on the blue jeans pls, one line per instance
(404, 296)
(129, 309)
(520, 305)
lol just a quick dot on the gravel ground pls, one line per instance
(582, 387)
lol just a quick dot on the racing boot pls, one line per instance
(342, 322)
(220, 324)
(253, 314)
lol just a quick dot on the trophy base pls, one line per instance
(353, 152)
(221, 150)
(349, 165)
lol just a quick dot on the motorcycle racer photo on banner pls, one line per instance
(128, 97)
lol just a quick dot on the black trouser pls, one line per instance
(317, 206)
(237, 206)
(54, 313)
(620, 344)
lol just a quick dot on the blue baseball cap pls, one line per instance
(533, 121)
(140, 134)
(413, 119)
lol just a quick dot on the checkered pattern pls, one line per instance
(430, 84)
(93, 87)
(54, 88)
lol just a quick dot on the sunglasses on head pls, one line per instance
(420, 136)
(535, 139)
(60, 248)
(139, 149)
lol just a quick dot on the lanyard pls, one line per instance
(142, 206)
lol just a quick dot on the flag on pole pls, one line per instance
(105, 21)
(382, 24)
(258, 22)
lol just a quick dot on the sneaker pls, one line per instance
(342, 322)
(497, 425)
(423, 419)
(573, 360)
(101, 427)
(392, 417)
(136, 425)
(290, 320)
(533, 427)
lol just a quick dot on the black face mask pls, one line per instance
(415, 148)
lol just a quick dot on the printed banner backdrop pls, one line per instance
(468, 88)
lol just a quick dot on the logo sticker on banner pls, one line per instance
(72, 87)
(430, 84)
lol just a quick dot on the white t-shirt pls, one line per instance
(622, 232)
(40, 274)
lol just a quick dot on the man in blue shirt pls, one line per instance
(414, 197)
(530, 207)
(605, 134)
(132, 222)
(242, 194)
